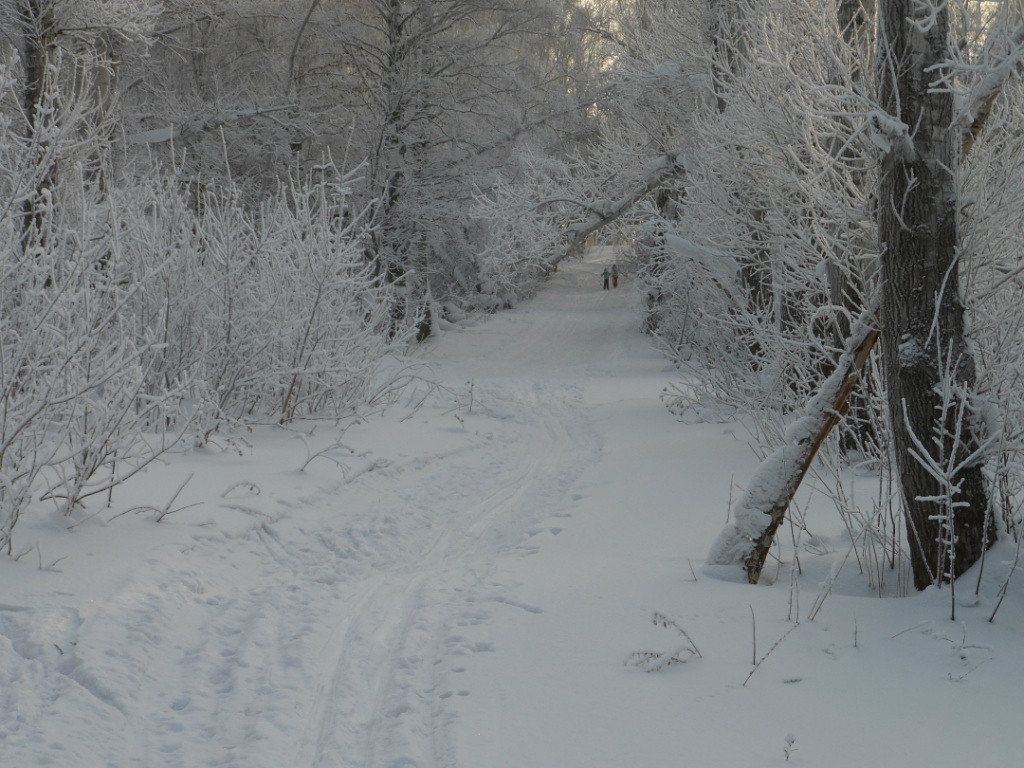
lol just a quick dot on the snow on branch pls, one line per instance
(760, 511)
(656, 173)
(890, 134)
(976, 105)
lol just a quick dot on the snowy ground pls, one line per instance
(464, 588)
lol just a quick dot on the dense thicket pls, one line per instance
(788, 175)
(220, 213)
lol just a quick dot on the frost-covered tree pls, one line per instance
(450, 77)
(138, 306)
(69, 52)
(429, 98)
(939, 74)
(942, 69)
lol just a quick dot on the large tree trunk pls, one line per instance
(922, 313)
(37, 23)
(387, 246)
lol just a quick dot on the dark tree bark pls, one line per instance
(37, 23)
(36, 20)
(922, 312)
(388, 168)
(723, 62)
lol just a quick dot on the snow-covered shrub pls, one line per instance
(136, 308)
(767, 253)
(430, 105)
(993, 248)
(769, 256)
(527, 213)
(71, 365)
(266, 313)
(329, 325)
(781, 197)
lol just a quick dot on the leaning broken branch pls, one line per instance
(762, 509)
(977, 105)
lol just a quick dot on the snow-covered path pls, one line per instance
(458, 586)
(309, 620)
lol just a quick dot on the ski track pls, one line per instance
(295, 643)
(408, 722)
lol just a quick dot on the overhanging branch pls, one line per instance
(664, 168)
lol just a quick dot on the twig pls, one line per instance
(662, 620)
(753, 629)
(323, 452)
(819, 601)
(774, 646)
(166, 510)
(654, 661)
(728, 509)
(910, 629)
(253, 488)
(1006, 584)
(965, 674)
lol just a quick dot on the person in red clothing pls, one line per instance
(615, 275)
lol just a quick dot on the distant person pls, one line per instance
(615, 275)
(606, 274)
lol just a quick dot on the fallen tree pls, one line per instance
(658, 172)
(763, 506)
